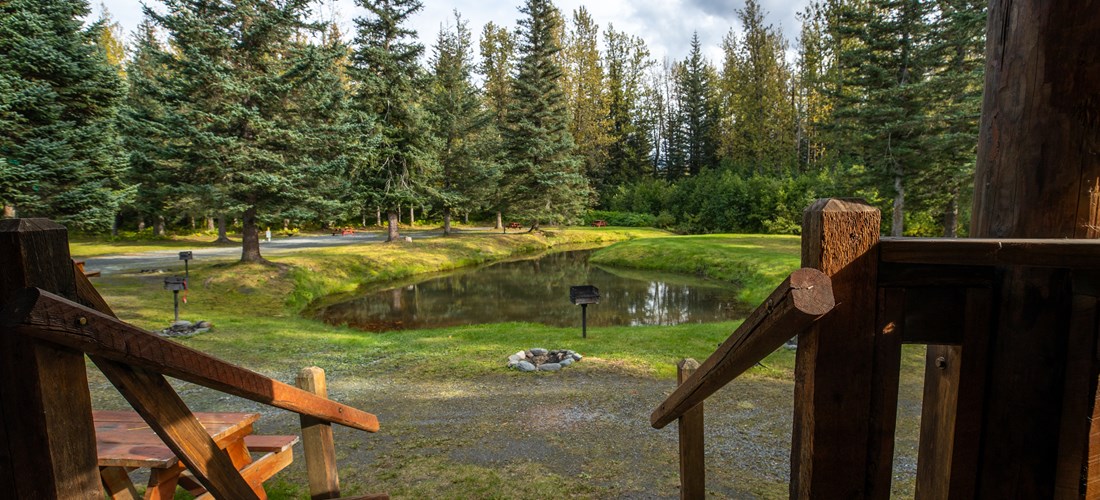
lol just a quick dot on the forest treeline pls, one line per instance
(253, 111)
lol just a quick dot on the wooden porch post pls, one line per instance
(693, 479)
(833, 400)
(1037, 158)
(47, 439)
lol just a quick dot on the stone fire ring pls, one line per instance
(539, 359)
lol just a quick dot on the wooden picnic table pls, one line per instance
(124, 442)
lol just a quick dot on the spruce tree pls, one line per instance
(239, 80)
(466, 175)
(544, 179)
(402, 169)
(698, 114)
(159, 176)
(497, 62)
(882, 109)
(59, 147)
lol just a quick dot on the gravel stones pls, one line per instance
(540, 359)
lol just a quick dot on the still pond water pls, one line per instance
(537, 290)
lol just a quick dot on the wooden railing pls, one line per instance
(51, 316)
(1011, 406)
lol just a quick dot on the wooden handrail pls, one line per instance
(1077, 254)
(802, 298)
(45, 316)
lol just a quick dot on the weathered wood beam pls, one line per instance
(693, 467)
(318, 443)
(1077, 254)
(47, 440)
(801, 299)
(834, 367)
(48, 317)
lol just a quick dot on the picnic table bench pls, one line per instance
(125, 442)
(514, 225)
(599, 223)
(343, 231)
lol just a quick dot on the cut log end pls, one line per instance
(812, 291)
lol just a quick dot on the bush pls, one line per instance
(625, 219)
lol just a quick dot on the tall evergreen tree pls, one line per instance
(158, 176)
(497, 63)
(812, 103)
(755, 84)
(59, 147)
(544, 178)
(882, 108)
(403, 168)
(698, 113)
(585, 90)
(460, 121)
(630, 121)
(239, 77)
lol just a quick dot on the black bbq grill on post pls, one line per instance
(582, 295)
(175, 284)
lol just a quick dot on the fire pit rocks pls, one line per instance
(539, 359)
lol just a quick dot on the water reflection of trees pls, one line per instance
(537, 291)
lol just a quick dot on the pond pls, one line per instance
(537, 290)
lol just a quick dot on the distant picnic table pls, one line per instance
(343, 231)
(514, 225)
(599, 223)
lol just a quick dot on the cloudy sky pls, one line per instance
(666, 25)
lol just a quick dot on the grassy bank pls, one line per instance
(756, 262)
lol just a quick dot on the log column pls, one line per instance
(47, 439)
(1038, 155)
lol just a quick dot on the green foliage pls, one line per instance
(725, 201)
(59, 149)
(624, 219)
(543, 180)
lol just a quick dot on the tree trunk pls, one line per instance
(222, 236)
(412, 217)
(446, 221)
(378, 214)
(9, 211)
(115, 222)
(500, 221)
(141, 225)
(250, 236)
(951, 216)
(534, 226)
(363, 218)
(897, 226)
(158, 228)
(391, 216)
(192, 219)
(466, 218)
(210, 224)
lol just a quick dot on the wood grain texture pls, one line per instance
(117, 483)
(1078, 405)
(1040, 124)
(801, 299)
(884, 390)
(152, 397)
(48, 448)
(49, 317)
(1078, 254)
(834, 363)
(951, 414)
(317, 440)
(693, 470)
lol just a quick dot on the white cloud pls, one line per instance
(665, 25)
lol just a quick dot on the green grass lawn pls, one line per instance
(433, 385)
